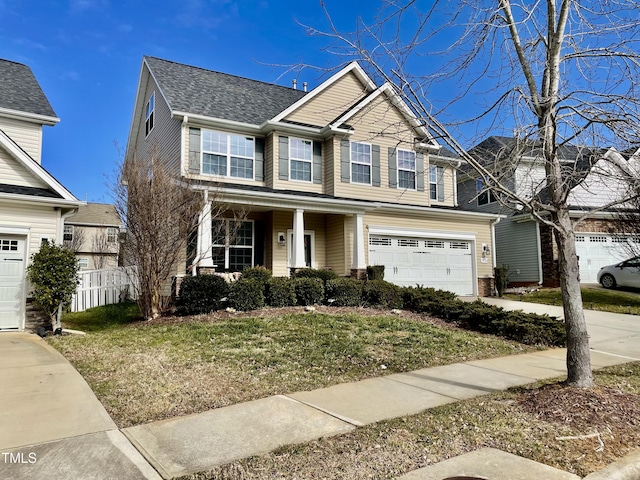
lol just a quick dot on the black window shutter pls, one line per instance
(259, 159)
(283, 158)
(393, 168)
(194, 150)
(317, 162)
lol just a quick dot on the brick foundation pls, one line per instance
(485, 287)
(35, 317)
(359, 273)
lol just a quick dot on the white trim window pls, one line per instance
(112, 234)
(436, 183)
(67, 234)
(227, 155)
(232, 244)
(150, 114)
(361, 163)
(406, 169)
(300, 159)
(83, 263)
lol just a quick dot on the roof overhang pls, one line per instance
(29, 117)
(35, 200)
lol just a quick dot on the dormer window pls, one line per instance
(148, 119)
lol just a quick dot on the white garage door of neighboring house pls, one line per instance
(431, 262)
(596, 250)
(12, 271)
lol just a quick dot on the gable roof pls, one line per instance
(21, 92)
(98, 214)
(197, 91)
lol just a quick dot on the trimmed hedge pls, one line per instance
(201, 294)
(309, 291)
(247, 294)
(344, 292)
(382, 294)
(260, 274)
(375, 272)
(323, 274)
(281, 292)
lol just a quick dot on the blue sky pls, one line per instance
(87, 54)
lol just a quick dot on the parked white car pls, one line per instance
(623, 274)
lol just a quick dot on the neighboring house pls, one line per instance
(33, 204)
(93, 234)
(340, 177)
(527, 246)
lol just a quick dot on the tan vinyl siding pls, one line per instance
(335, 246)
(165, 135)
(13, 172)
(41, 221)
(26, 134)
(479, 227)
(330, 104)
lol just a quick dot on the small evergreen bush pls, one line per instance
(201, 294)
(382, 294)
(500, 278)
(309, 290)
(344, 292)
(246, 294)
(281, 292)
(259, 273)
(323, 274)
(375, 272)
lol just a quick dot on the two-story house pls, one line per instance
(526, 245)
(341, 177)
(33, 204)
(93, 234)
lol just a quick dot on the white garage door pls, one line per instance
(596, 250)
(12, 271)
(438, 263)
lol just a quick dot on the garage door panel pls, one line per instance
(595, 250)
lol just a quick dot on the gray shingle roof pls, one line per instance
(96, 214)
(30, 191)
(219, 95)
(19, 90)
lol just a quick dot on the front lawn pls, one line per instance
(616, 301)
(146, 371)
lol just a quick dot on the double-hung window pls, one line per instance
(112, 234)
(406, 169)
(436, 183)
(485, 195)
(232, 246)
(300, 159)
(361, 163)
(227, 155)
(67, 235)
(148, 118)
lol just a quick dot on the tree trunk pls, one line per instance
(578, 354)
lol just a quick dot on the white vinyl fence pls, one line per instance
(104, 287)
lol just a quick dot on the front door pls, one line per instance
(12, 272)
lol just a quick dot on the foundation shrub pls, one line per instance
(344, 292)
(281, 292)
(309, 290)
(321, 273)
(201, 294)
(382, 294)
(247, 294)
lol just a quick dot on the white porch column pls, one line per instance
(204, 258)
(297, 251)
(359, 262)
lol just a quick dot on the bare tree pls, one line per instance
(101, 249)
(555, 73)
(159, 212)
(76, 241)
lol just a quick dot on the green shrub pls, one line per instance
(500, 278)
(309, 291)
(281, 292)
(344, 292)
(246, 294)
(425, 299)
(201, 294)
(382, 294)
(375, 272)
(259, 273)
(323, 274)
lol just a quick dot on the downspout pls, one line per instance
(63, 217)
(493, 240)
(539, 247)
